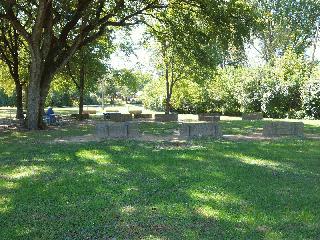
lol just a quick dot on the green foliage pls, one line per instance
(204, 32)
(279, 90)
(286, 25)
(282, 86)
(89, 61)
(154, 94)
(129, 82)
(311, 99)
(5, 99)
(6, 82)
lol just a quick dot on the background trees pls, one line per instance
(87, 66)
(284, 88)
(286, 25)
(199, 46)
(55, 30)
(13, 54)
(198, 37)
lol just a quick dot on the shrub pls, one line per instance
(311, 99)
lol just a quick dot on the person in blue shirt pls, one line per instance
(50, 116)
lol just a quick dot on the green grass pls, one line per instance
(205, 189)
(158, 128)
(249, 127)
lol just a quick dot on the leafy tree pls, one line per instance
(129, 82)
(14, 55)
(286, 25)
(55, 30)
(86, 67)
(193, 37)
(123, 83)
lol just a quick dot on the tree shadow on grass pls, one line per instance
(132, 190)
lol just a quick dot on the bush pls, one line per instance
(6, 100)
(311, 99)
(154, 95)
(278, 90)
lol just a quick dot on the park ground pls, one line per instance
(131, 189)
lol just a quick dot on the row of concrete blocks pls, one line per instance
(131, 130)
(252, 116)
(120, 117)
(190, 130)
(208, 117)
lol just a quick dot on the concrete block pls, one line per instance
(89, 111)
(117, 130)
(143, 116)
(200, 130)
(209, 117)
(252, 116)
(166, 117)
(278, 129)
(119, 117)
(80, 117)
(135, 112)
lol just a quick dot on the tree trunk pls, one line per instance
(168, 97)
(168, 105)
(34, 94)
(37, 92)
(81, 89)
(44, 90)
(19, 102)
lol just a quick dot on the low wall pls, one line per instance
(166, 117)
(117, 130)
(135, 112)
(252, 116)
(207, 117)
(200, 130)
(119, 117)
(278, 129)
(143, 116)
(89, 111)
(80, 117)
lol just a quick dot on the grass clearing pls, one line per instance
(207, 189)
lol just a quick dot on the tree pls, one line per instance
(86, 67)
(129, 82)
(55, 30)
(13, 54)
(286, 25)
(199, 36)
(60, 28)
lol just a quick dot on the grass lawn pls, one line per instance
(204, 189)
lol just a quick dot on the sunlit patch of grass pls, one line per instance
(26, 171)
(259, 162)
(98, 156)
(5, 204)
(215, 196)
(202, 189)
(128, 209)
(209, 212)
